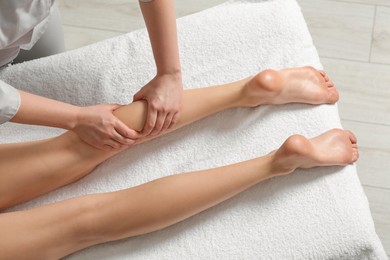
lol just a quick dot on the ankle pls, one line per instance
(240, 93)
(247, 97)
(262, 88)
(281, 165)
(268, 80)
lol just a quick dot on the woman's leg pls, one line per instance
(59, 229)
(31, 169)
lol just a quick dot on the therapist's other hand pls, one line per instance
(164, 96)
(97, 126)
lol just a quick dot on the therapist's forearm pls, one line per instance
(38, 110)
(159, 16)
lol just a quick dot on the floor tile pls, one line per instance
(186, 7)
(76, 37)
(374, 145)
(340, 30)
(364, 89)
(119, 15)
(368, 2)
(370, 135)
(380, 51)
(373, 167)
(380, 210)
(114, 15)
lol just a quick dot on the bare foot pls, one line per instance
(334, 147)
(296, 85)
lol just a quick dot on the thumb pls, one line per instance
(139, 95)
(113, 107)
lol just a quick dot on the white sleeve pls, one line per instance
(9, 102)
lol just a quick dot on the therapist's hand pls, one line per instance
(97, 126)
(164, 96)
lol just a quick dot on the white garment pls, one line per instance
(9, 102)
(22, 23)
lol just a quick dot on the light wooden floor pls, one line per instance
(353, 40)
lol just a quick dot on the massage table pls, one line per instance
(318, 213)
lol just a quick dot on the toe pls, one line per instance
(329, 84)
(333, 96)
(352, 137)
(326, 78)
(355, 156)
(324, 75)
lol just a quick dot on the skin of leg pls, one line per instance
(71, 225)
(50, 43)
(59, 229)
(56, 230)
(34, 168)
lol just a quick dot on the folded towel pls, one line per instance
(319, 213)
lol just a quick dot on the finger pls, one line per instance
(139, 95)
(150, 122)
(125, 131)
(102, 147)
(159, 123)
(113, 107)
(174, 120)
(119, 149)
(167, 122)
(122, 140)
(132, 134)
(114, 144)
(107, 148)
(94, 140)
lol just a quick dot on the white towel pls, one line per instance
(319, 213)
